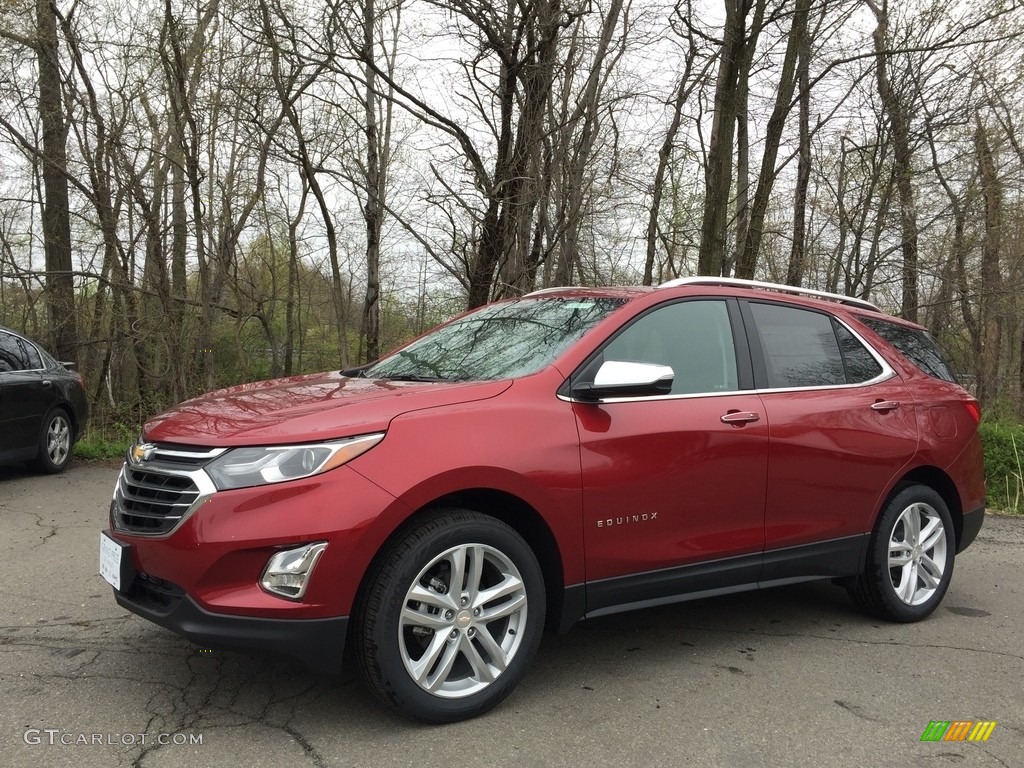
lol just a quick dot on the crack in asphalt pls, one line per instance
(51, 529)
(78, 623)
(309, 749)
(857, 641)
(858, 711)
(979, 745)
(210, 699)
(205, 699)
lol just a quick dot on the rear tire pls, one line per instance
(450, 618)
(55, 441)
(910, 557)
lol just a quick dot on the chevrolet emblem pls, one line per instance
(141, 452)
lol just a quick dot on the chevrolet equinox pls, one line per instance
(568, 454)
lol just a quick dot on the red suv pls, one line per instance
(568, 454)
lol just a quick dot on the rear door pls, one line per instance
(842, 427)
(678, 479)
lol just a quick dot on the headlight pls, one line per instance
(244, 467)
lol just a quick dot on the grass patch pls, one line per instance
(1004, 475)
(110, 442)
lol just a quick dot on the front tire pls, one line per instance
(55, 440)
(910, 557)
(451, 617)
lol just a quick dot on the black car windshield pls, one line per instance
(500, 341)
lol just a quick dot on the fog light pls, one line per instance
(287, 573)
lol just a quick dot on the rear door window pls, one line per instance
(13, 356)
(804, 348)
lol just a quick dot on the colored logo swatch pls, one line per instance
(958, 730)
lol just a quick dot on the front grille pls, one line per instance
(152, 502)
(153, 496)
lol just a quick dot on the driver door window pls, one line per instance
(694, 338)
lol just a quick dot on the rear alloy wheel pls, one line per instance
(451, 618)
(910, 562)
(54, 443)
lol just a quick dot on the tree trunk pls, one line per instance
(747, 262)
(683, 91)
(743, 141)
(56, 217)
(718, 170)
(797, 253)
(902, 157)
(991, 281)
(373, 212)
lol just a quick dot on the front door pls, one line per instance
(679, 479)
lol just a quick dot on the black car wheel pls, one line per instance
(910, 557)
(55, 441)
(451, 617)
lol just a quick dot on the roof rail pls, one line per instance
(777, 287)
(555, 289)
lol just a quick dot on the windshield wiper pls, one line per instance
(412, 377)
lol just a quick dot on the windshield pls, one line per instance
(500, 341)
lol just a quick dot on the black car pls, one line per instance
(42, 405)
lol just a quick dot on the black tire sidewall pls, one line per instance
(391, 587)
(879, 581)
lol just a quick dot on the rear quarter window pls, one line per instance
(915, 344)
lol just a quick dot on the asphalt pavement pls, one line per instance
(794, 676)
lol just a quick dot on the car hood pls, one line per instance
(320, 406)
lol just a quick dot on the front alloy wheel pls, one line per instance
(910, 557)
(451, 616)
(463, 619)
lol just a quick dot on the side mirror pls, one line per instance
(616, 378)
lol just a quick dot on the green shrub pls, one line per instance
(110, 442)
(1004, 477)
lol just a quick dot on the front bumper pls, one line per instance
(217, 554)
(318, 643)
(202, 578)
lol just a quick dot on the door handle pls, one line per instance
(45, 382)
(885, 405)
(740, 417)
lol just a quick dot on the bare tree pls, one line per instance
(751, 242)
(896, 111)
(797, 254)
(688, 82)
(734, 57)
